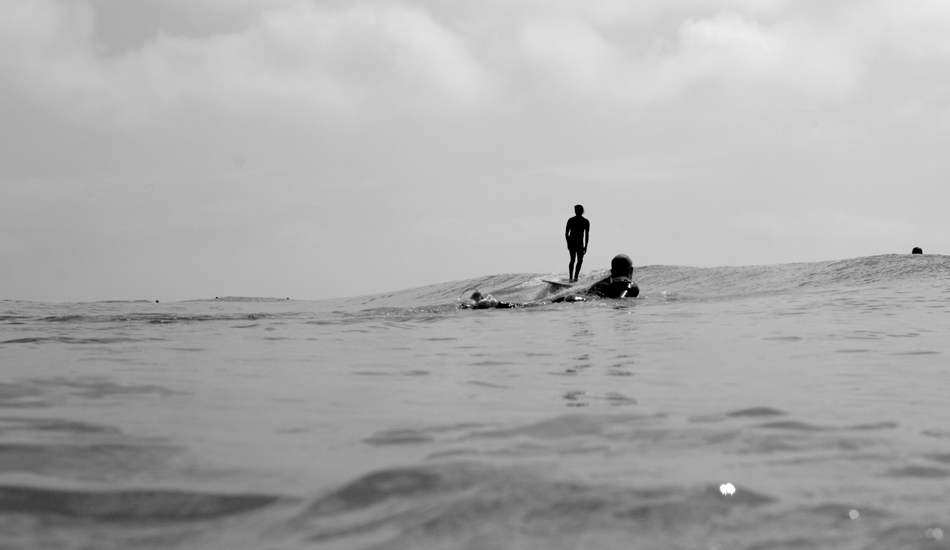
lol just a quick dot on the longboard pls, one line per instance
(558, 283)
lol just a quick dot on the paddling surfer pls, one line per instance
(481, 301)
(577, 234)
(620, 282)
(618, 285)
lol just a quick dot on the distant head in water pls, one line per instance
(476, 296)
(621, 266)
(578, 209)
(916, 250)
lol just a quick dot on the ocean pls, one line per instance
(770, 407)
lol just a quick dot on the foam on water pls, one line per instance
(816, 392)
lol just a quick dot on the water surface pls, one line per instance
(398, 421)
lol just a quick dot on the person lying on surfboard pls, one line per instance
(479, 301)
(618, 285)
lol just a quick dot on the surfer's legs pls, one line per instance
(576, 254)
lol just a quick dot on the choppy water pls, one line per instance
(820, 391)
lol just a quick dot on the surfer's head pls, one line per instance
(916, 250)
(578, 209)
(476, 296)
(621, 266)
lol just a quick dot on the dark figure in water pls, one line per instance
(481, 301)
(618, 285)
(577, 235)
(916, 250)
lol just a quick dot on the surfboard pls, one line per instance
(558, 283)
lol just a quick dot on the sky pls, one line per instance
(185, 149)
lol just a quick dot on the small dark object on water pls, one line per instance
(916, 250)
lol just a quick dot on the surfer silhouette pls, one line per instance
(916, 250)
(577, 234)
(618, 285)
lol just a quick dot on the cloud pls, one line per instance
(313, 60)
(44, 52)
(363, 61)
(234, 124)
(735, 51)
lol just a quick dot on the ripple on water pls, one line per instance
(127, 506)
(467, 505)
(43, 392)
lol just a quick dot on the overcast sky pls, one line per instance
(179, 149)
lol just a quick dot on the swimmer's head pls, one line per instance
(621, 266)
(578, 209)
(916, 250)
(476, 296)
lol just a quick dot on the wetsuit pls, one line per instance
(615, 287)
(611, 287)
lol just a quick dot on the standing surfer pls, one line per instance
(577, 235)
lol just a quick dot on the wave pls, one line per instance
(152, 318)
(657, 282)
(250, 299)
(128, 506)
(69, 340)
(749, 280)
(446, 505)
(682, 282)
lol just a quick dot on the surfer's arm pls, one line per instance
(569, 298)
(596, 287)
